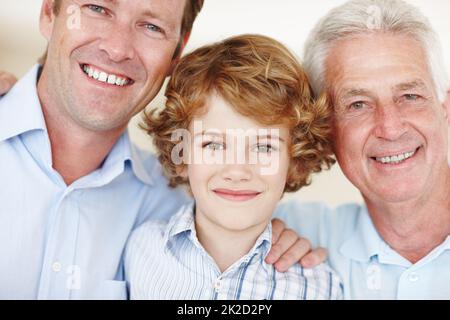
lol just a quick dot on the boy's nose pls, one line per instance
(236, 173)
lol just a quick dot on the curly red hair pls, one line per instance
(262, 80)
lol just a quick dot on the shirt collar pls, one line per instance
(183, 224)
(365, 242)
(124, 153)
(20, 109)
(21, 112)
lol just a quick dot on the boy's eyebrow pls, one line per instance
(210, 133)
(270, 137)
(259, 137)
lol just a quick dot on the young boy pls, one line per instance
(240, 128)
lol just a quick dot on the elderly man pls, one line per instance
(72, 187)
(380, 63)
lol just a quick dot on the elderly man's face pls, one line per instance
(390, 129)
(105, 66)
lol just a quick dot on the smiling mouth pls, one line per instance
(236, 195)
(105, 78)
(396, 159)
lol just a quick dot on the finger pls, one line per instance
(7, 81)
(287, 238)
(278, 227)
(314, 258)
(293, 255)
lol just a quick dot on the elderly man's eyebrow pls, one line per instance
(351, 92)
(415, 84)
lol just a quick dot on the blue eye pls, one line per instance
(357, 105)
(214, 146)
(411, 97)
(97, 9)
(153, 28)
(265, 148)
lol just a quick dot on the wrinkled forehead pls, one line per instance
(376, 61)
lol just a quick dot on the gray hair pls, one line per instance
(358, 17)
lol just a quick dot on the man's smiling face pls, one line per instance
(390, 129)
(106, 69)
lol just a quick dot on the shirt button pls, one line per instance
(217, 285)
(413, 277)
(56, 267)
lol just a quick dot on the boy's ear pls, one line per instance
(182, 171)
(47, 19)
(179, 53)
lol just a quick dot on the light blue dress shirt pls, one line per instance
(166, 261)
(368, 267)
(67, 242)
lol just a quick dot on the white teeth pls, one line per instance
(112, 79)
(397, 158)
(104, 77)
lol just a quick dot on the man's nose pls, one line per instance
(237, 173)
(117, 43)
(390, 123)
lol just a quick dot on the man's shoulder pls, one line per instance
(318, 212)
(160, 200)
(318, 222)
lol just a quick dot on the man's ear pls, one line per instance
(47, 19)
(179, 52)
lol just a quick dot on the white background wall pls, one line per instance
(287, 20)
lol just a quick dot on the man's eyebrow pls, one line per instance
(351, 92)
(110, 1)
(415, 84)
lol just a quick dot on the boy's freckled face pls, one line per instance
(237, 182)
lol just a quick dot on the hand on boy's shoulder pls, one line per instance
(7, 81)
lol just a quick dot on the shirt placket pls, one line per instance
(61, 276)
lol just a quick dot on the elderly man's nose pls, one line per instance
(390, 123)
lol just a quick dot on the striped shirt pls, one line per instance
(166, 261)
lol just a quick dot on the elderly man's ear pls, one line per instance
(7, 81)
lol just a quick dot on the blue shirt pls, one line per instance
(66, 242)
(166, 261)
(369, 268)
